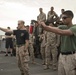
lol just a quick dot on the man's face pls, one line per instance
(20, 25)
(51, 8)
(66, 19)
(62, 11)
(27, 28)
(40, 10)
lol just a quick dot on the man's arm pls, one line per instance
(6, 30)
(12, 36)
(56, 30)
(57, 40)
(55, 14)
(26, 44)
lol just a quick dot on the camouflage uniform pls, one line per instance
(22, 54)
(31, 49)
(43, 39)
(41, 17)
(23, 59)
(51, 49)
(52, 17)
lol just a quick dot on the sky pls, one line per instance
(13, 10)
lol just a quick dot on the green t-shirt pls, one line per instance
(68, 43)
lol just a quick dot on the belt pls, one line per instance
(20, 45)
(67, 53)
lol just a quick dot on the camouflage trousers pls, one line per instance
(43, 53)
(31, 51)
(22, 58)
(51, 55)
(67, 64)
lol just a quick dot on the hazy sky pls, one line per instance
(13, 10)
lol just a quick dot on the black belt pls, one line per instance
(67, 53)
(20, 45)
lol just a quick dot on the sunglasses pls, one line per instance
(65, 17)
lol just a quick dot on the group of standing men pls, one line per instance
(47, 41)
(67, 58)
(66, 30)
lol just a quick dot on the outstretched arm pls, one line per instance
(6, 30)
(56, 30)
(12, 36)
